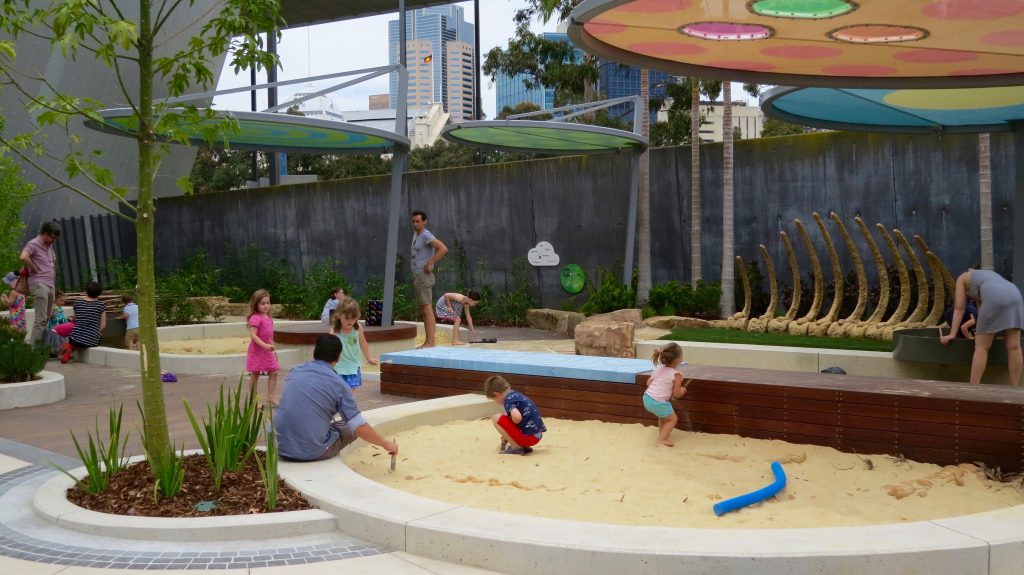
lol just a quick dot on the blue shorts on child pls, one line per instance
(353, 380)
(659, 408)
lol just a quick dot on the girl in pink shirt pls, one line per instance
(665, 384)
(261, 357)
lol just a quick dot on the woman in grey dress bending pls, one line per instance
(1000, 311)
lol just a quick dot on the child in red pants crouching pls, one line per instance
(521, 426)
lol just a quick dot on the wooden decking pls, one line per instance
(931, 421)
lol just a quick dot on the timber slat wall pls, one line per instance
(935, 422)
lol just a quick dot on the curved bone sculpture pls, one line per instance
(947, 278)
(739, 319)
(800, 326)
(876, 331)
(838, 329)
(922, 281)
(820, 327)
(860, 329)
(938, 289)
(760, 323)
(781, 324)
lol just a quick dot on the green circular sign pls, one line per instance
(573, 279)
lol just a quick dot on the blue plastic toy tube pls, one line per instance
(723, 507)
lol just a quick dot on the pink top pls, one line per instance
(42, 257)
(660, 385)
(259, 359)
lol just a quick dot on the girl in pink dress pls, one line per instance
(261, 357)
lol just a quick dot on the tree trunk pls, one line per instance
(695, 215)
(988, 260)
(153, 406)
(643, 286)
(728, 303)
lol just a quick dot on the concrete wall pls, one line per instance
(923, 185)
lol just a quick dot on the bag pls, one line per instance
(21, 286)
(374, 310)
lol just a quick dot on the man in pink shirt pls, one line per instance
(38, 256)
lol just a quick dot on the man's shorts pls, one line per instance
(131, 336)
(520, 438)
(660, 408)
(345, 436)
(422, 285)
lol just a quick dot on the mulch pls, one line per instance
(131, 492)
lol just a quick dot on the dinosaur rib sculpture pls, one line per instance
(877, 331)
(760, 323)
(938, 287)
(780, 324)
(739, 319)
(838, 329)
(860, 329)
(800, 326)
(922, 281)
(947, 278)
(820, 327)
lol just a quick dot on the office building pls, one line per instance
(510, 91)
(380, 101)
(440, 60)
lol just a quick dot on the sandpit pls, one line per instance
(613, 473)
(209, 346)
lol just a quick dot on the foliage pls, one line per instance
(674, 298)
(268, 470)
(254, 269)
(404, 305)
(122, 275)
(773, 128)
(102, 459)
(218, 169)
(20, 360)
(165, 463)
(522, 108)
(315, 288)
(510, 307)
(14, 194)
(610, 295)
(179, 293)
(724, 335)
(229, 434)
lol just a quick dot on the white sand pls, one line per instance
(613, 473)
(211, 346)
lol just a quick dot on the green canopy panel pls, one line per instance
(272, 132)
(543, 137)
(913, 111)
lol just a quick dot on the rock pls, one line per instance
(607, 339)
(779, 325)
(676, 322)
(633, 316)
(563, 322)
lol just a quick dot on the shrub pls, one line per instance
(19, 360)
(404, 306)
(229, 436)
(510, 307)
(674, 298)
(103, 459)
(611, 295)
(667, 297)
(254, 269)
(314, 290)
(196, 277)
(121, 275)
(268, 470)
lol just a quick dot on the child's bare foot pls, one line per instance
(457, 342)
(665, 442)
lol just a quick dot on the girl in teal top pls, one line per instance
(353, 343)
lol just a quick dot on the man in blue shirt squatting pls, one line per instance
(313, 395)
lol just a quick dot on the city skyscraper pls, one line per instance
(440, 60)
(510, 91)
(618, 81)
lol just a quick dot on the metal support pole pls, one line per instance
(1018, 206)
(476, 54)
(272, 158)
(398, 161)
(252, 106)
(634, 194)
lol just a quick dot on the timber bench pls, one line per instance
(930, 421)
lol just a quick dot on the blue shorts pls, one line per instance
(353, 380)
(662, 409)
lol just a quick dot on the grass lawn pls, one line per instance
(723, 335)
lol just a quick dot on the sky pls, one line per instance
(363, 43)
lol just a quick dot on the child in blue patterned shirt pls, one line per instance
(521, 425)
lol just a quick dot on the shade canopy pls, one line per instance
(543, 137)
(274, 132)
(833, 43)
(306, 12)
(920, 111)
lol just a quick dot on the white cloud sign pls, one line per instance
(542, 255)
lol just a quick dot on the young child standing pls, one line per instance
(90, 320)
(521, 425)
(15, 302)
(331, 305)
(131, 316)
(665, 384)
(58, 322)
(449, 308)
(261, 357)
(353, 343)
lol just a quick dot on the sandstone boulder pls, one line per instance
(633, 316)
(563, 322)
(607, 339)
(676, 322)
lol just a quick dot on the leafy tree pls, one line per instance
(773, 127)
(523, 108)
(123, 36)
(14, 194)
(218, 169)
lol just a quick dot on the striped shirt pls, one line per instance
(87, 322)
